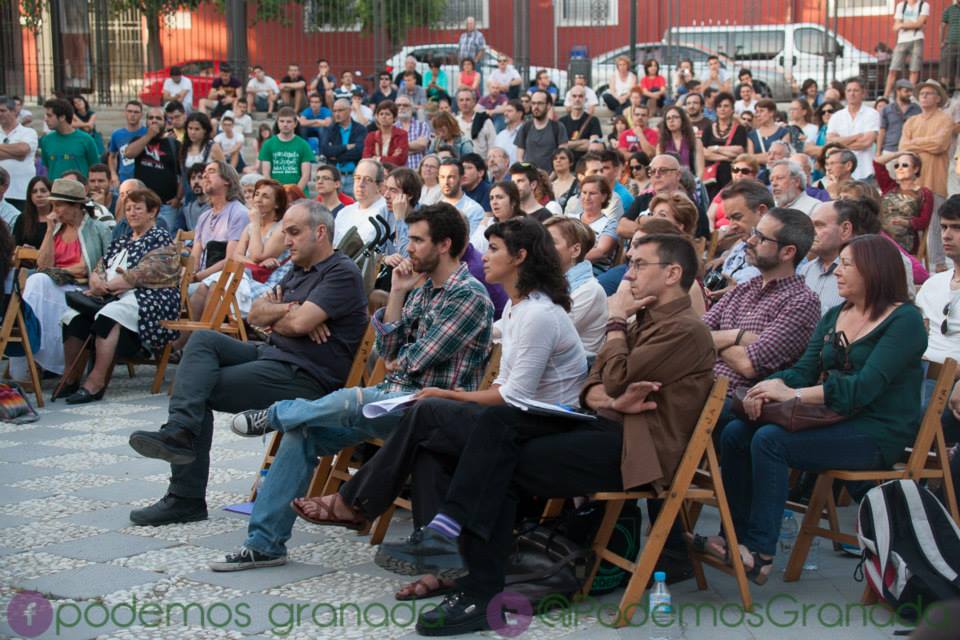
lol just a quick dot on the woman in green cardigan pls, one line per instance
(862, 362)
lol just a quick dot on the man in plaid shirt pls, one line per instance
(763, 325)
(439, 337)
(472, 43)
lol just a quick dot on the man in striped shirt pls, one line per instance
(439, 337)
(418, 131)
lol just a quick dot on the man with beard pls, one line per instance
(693, 104)
(439, 337)
(541, 136)
(763, 325)
(451, 192)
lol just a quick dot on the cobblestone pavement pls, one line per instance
(68, 481)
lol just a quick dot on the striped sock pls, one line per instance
(445, 525)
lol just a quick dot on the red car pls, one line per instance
(200, 72)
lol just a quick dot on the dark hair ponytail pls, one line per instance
(540, 270)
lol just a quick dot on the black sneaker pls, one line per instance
(425, 551)
(170, 509)
(172, 445)
(252, 423)
(246, 558)
(456, 614)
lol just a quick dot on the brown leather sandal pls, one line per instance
(328, 518)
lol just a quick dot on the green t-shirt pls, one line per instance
(285, 158)
(60, 153)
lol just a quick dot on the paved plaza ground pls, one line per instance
(68, 481)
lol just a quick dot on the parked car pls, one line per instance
(781, 55)
(448, 52)
(605, 65)
(200, 72)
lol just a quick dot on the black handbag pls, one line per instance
(546, 567)
(87, 306)
(216, 250)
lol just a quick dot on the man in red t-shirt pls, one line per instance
(640, 137)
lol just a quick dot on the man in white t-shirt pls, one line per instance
(506, 77)
(590, 100)
(856, 127)
(507, 138)
(178, 87)
(262, 91)
(366, 189)
(18, 147)
(909, 19)
(941, 292)
(241, 118)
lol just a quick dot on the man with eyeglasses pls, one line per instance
(418, 132)
(506, 77)
(344, 145)
(18, 147)
(370, 204)
(579, 121)
(121, 167)
(541, 136)
(327, 184)
(763, 325)
(664, 172)
(788, 184)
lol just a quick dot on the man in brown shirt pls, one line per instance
(649, 384)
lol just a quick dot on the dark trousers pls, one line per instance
(81, 327)
(220, 373)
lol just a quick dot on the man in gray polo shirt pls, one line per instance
(892, 118)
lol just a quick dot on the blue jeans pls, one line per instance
(756, 460)
(346, 184)
(311, 429)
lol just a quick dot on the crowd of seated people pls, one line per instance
(810, 257)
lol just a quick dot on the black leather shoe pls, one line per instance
(456, 614)
(173, 445)
(66, 391)
(170, 509)
(82, 396)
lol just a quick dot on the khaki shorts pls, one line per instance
(912, 49)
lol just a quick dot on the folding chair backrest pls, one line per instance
(703, 431)
(186, 277)
(24, 254)
(359, 366)
(493, 367)
(221, 296)
(931, 418)
(184, 236)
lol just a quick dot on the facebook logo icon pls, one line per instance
(29, 614)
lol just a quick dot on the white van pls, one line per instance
(781, 55)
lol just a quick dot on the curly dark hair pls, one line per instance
(540, 270)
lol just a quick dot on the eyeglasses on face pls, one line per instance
(661, 171)
(637, 265)
(744, 170)
(827, 112)
(761, 238)
(637, 167)
(903, 165)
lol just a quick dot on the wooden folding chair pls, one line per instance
(923, 464)
(687, 487)
(14, 327)
(220, 313)
(354, 379)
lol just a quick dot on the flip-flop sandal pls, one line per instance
(331, 521)
(408, 592)
(701, 544)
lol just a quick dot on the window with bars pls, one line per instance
(324, 16)
(864, 7)
(575, 13)
(456, 12)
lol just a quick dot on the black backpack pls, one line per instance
(910, 547)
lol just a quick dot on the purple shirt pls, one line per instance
(783, 313)
(226, 226)
(498, 296)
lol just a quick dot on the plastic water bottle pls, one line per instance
(661, 618)
(788, 532)
(812, 563)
